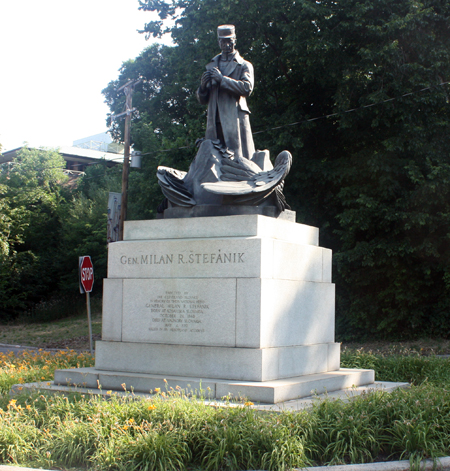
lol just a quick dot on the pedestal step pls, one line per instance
(270, 392)
(234, 364)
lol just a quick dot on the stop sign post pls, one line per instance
(86, 275)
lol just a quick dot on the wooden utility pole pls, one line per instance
(128, 88)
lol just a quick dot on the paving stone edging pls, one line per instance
(441, 464)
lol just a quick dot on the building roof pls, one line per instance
(71, 153)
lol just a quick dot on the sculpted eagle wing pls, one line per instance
(249, 184)
(173, 187)
(238, 170)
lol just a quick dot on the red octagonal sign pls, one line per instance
(86, 273)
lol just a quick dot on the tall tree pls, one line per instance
(357, 91)
(45, 225)
(31, 190)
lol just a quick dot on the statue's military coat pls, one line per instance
(228, 100)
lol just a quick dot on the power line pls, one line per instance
(280, 126)
(332, 115)
(352, 109)
(306, 120)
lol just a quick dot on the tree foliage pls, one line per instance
(46, 225)
(85, 224)
(31, 198)
(366, 82)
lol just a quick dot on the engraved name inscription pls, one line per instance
(177, 311)
(183, 258)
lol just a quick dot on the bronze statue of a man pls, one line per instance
(227, 171)
(227, 82)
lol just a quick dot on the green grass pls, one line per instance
(406, 424)
(73, 330)
(421, 346)
(408, 366)
(168, 432)
(173, 432)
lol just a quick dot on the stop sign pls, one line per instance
(86, 273)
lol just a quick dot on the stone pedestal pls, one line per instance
(239, 304)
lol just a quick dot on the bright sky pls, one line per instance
(56, 56)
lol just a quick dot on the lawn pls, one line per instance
(72, 332)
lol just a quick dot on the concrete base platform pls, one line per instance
(235, 364)
(269, 392)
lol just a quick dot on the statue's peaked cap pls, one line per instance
(226, 31)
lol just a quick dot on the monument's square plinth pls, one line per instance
(239, 304)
